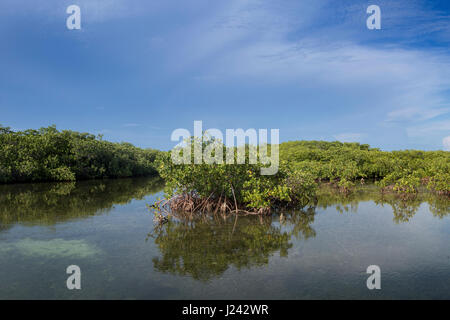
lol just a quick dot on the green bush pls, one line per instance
(344, 164)
(51, 155)
(240, 183)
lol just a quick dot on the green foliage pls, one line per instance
(345, 185)
(51, 155)
(303, 165)
(344, 164)
(242, 182)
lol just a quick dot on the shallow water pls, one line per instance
(320, 252)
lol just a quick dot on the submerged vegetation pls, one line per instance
(51, 155)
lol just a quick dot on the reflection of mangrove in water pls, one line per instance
(205, 247)
(50, 203)
(403, 209)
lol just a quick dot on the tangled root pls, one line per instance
(189, 204)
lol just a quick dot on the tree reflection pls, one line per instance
(205, 247)
(403, 209)
(300, 222)
(50, 203)
(439, 206)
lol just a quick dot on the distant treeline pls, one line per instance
(47, 154)
(346, 163)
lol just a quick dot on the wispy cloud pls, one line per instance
(406, 85)
(255, 42)
(436, 127)
(416, 114)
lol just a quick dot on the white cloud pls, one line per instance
(435, 127)
(416, 114)
(251, 41)
(446, 143)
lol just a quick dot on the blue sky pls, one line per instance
(137, 70)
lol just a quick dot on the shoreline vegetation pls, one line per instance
(47, 154)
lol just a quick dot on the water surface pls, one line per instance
(320, 252)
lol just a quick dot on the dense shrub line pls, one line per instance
(345, 164)
(47, 154)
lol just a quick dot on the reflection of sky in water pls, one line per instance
(327, 258)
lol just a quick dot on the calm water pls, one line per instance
(318, 253)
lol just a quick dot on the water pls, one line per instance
(105, 228)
